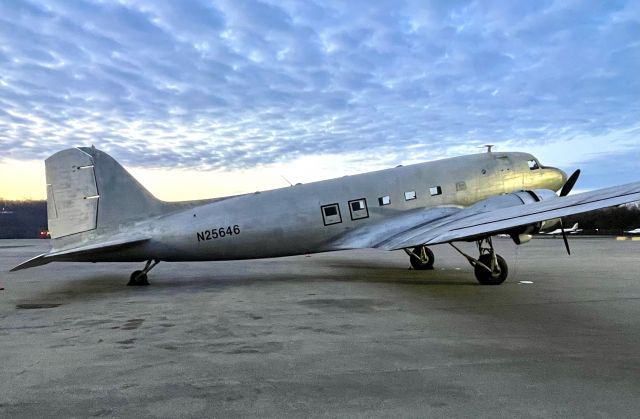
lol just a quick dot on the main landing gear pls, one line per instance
(490, 268)
(139, 278)
(421, 258)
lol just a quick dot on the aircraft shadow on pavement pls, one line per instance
(99, 284)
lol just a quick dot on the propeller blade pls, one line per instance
(568, 185)
(564, 237)
(566, 188)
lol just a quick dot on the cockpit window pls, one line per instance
(533, 165)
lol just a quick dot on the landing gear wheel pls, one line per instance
(138, 278)
(499, 273)
(425, 259)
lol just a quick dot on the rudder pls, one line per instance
(72, 205)
(88, 190)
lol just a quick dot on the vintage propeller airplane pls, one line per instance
(98, 212)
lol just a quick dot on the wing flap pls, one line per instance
(91, 248)
(466, 226)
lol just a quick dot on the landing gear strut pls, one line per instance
(421, 258)
(490, 268)
(138, 278)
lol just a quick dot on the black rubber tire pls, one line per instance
(140, 280)
(422, 265)
(486, 278)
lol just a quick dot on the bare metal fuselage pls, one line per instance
(290, 221)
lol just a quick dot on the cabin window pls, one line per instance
(331, 214)
(435, 190)
(461, 186)
(384, 200)
(408, 196)
(358, 209)
(533, 165)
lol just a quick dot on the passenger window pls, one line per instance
(358, 209)
(461, 186)
(435, 190)
(384, 200)
(533, 165)
(408, 196)
(331, 214)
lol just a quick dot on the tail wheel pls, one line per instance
(499, 274)
(421, 258)
(138, 278)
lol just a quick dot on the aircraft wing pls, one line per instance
(465, 225)
(87, 249)
(371, 235)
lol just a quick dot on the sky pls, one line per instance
(209, 98)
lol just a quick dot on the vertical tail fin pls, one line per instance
(88, 190)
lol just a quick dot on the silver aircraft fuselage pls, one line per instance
(292, 220)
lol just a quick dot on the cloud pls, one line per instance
(236, 84)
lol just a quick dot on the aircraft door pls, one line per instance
(488, 181)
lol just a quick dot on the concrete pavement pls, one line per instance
(348, 334)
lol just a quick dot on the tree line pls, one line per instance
(25, 219)
(612, 221)
(22, 219)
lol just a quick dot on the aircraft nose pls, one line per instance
(563, 176)
(554, 178)
(559, 178)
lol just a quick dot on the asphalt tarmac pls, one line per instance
(347, 334)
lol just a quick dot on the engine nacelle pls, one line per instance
(521, 238)
(522, 234)
(513, 199)
(549, 225)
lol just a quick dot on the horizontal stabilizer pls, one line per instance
(93, 248)
(31, 263)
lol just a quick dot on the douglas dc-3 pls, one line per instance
(98, 212)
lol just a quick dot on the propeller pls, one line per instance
(564, 237)
(568, 185)
(566, 188)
